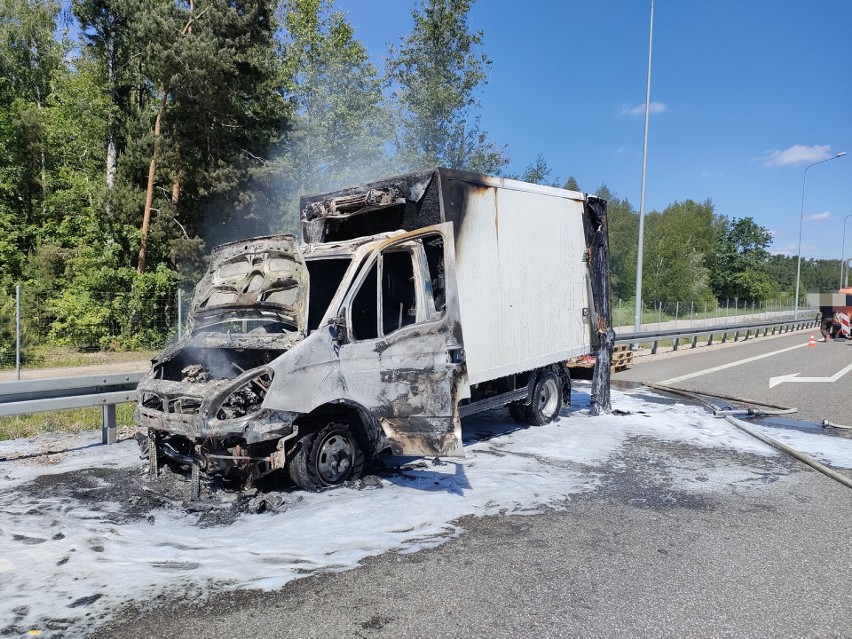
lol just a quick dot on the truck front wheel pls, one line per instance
(327, 457)
(546, 400)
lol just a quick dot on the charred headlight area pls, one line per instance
(245, 399)
(210, 364)
(231, 460)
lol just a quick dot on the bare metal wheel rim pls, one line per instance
(335, 456)
(548, 397)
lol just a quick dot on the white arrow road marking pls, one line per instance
(715, 369)
(794, 377)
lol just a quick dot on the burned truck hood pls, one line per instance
(260, 277)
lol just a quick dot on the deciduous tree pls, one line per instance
(435, 74)
(677, 242)
(341, 124)
(739, 262)
(30, 57)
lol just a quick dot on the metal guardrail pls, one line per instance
(63, 393)
(747, 328)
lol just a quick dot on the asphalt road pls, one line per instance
(764, 554)
(746, 369)
(763, 557)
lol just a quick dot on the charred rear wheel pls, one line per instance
(327, 457)
(546, 400)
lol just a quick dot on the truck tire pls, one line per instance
(546, 400)
(518, 411)
(327, 457)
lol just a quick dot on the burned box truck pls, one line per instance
(410, 303)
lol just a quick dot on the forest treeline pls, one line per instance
(136, 134)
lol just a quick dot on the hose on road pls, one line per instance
(828, 424)
(754, 412)
(810, 461)
(807, 459)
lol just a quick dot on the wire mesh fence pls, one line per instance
(657, 315)
(35, 324)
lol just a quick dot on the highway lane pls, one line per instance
(762, 556)
(746, 370)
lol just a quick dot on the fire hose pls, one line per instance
(807, 459)
(828, 424)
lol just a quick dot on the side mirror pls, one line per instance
(337, 325)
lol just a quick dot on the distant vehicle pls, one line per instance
(410, 303)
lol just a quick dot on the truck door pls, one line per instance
(403, 351)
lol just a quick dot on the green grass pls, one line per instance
(66, 356)
(65, 421)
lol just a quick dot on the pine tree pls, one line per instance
(216, 108)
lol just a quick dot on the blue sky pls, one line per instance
(747, 94)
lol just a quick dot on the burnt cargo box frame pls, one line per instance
(454, 293)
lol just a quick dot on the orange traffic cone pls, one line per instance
(812, 342)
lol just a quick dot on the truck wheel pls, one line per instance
(546, 401)
(518, 412)
(328, 457)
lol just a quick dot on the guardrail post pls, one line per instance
(654, 347)
(694, 341)
(108, 425)
(18, 331)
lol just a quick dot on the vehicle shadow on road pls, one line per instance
(428, 475)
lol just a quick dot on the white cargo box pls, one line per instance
(522, 277)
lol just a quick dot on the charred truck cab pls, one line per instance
(410, 303)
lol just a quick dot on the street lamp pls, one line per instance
(637, 317)
(843, 248)
(801, 219)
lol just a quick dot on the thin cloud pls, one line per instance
(796, 154)
(791, 249)
(654, 107)
(818, 217)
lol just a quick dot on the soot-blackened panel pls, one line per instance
(418, 206)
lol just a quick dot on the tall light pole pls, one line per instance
(843, 249)
(801, 219)
(637, 318)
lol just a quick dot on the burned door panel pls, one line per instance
(407, 358)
